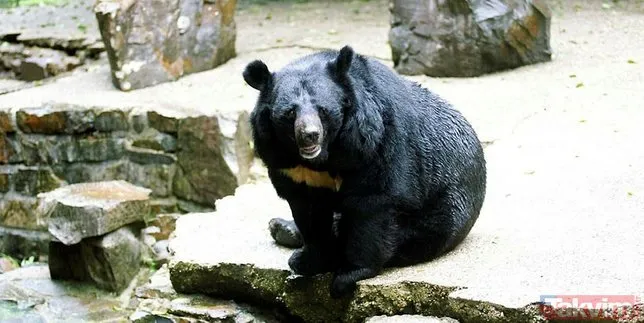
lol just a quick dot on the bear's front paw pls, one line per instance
(285, 233)
(306, 262)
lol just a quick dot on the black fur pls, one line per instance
(412, 168)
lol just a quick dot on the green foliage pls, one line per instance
(9, 258)
(25, 3)
(27, 261)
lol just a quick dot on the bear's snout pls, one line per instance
(309, 134)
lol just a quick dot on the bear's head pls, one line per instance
(301, 107)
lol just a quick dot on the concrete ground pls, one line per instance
(564, 212)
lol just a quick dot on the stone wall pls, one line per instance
(187, 161)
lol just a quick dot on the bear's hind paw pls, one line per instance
(345, 283)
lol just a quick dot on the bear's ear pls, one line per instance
(257, 75)
(344, 59)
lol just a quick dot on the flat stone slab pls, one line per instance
(91, 209)
(28, 294)
(498, 274)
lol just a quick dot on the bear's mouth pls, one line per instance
(310, 152)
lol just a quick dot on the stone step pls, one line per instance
(96, 229)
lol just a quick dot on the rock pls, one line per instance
(203, 175)
(34, 69)
(159, 300)
(8, 151)
(157, 251)
(285, 233)
(35, 181)
(161, 252)
(21, 212)
(158, 286)
(156, 177)
(52, 119)
(47, 38)
(153, 139)
(163, 206)
(83, 172)
(166, 224)
(145, 156)
(4, 183)
(94, 149)
(465, 38)
(114, 120)
(139, 122)
(110, 261)
(35, 149)
(6, 126)
(163, 123)
(8, 264)
(248, 266)
(91, 209)
(189, 207)
(199, 35)
(30, 292)
(238, 150)
(22, 244)
(42, 63)
(11, 56)
(410, 319)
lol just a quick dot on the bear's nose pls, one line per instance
(311, 134)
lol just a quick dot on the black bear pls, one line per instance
(342, 133)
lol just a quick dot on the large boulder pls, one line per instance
(231, 254)
(154, 41)
(464, 38)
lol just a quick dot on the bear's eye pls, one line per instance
(290, 112)
(346, 102)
